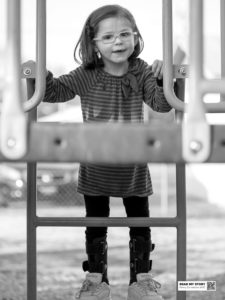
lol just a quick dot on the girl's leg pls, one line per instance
(96, 206)
(140, 237)
(96, 244)
(138, 207)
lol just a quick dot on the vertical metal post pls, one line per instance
(31, 214)
(222, 35)
(13, 123)
(196, 138)
(181, 205)
(168, 56)
(181, 229)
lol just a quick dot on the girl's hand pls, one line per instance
(157, 68)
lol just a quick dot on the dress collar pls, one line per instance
(128, 81)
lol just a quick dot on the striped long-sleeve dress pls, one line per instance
(108, 98)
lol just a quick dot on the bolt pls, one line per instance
(27, 71)
(195, 146)
(182, 71)
(11, 143)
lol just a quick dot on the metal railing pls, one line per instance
(13, 123)
(196, 54)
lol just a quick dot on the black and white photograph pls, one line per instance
(112, 150)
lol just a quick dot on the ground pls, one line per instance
(61, 251)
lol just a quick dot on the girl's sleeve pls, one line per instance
(153, 92)
(65, 87)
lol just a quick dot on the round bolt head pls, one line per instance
(11, 143)
(27, 71)
(182, 71)
(195, 146)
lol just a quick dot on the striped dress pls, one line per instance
(108, 98)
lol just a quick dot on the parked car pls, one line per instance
(12, 185)
(56, 182)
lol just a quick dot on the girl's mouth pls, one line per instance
(119, 51)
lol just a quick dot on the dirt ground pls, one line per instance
(61, 251)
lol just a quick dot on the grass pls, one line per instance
(61, 251)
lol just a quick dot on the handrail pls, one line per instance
(168, 58)
(196, 130)
(13, 127)
(40, 57)
(222, 37)
(204, 85)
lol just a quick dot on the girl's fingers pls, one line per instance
(157, 69)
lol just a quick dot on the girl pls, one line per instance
(112, 84)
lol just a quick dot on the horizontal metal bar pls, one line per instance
(113, 143)
(106, 143)
(213, 86)
(111, 222)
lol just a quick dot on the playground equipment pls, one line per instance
(194, 140)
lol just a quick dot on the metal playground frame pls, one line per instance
(193, 139)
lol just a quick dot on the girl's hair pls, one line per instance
(85, 52)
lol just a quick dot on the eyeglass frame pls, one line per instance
(115, 36)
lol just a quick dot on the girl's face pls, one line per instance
(115, 40)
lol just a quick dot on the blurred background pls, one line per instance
(64, 24)
(56, 183)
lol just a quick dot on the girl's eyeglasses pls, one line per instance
(110, 38)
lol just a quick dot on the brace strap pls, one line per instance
(140, 266)
(96, 248)
(99, 267)
(140, 247)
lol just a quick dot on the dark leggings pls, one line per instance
(98, 206)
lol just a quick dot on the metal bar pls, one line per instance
(196, 131)
(13, 128)
(31, 232)
(181, 229)
(205, 86)
(181, 205)
(121, 144)
(111, 221)
(222, 36)
(31, 213)
(212, 86)
(168, 57)
(40, 57)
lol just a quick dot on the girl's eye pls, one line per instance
(107, 37)
(125, 34)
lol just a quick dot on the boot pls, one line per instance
(96, 284)
(142, 285)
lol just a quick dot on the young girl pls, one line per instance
(112, 84)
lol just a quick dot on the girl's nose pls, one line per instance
(117, 40)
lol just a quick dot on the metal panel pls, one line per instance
(115, 143)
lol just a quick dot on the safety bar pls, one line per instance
(168, 82)
(196, 130)
(204, 85)
(40, 82)
(13, 126)
(222, 37)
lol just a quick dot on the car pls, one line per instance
(56, 182)
(12, 184)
